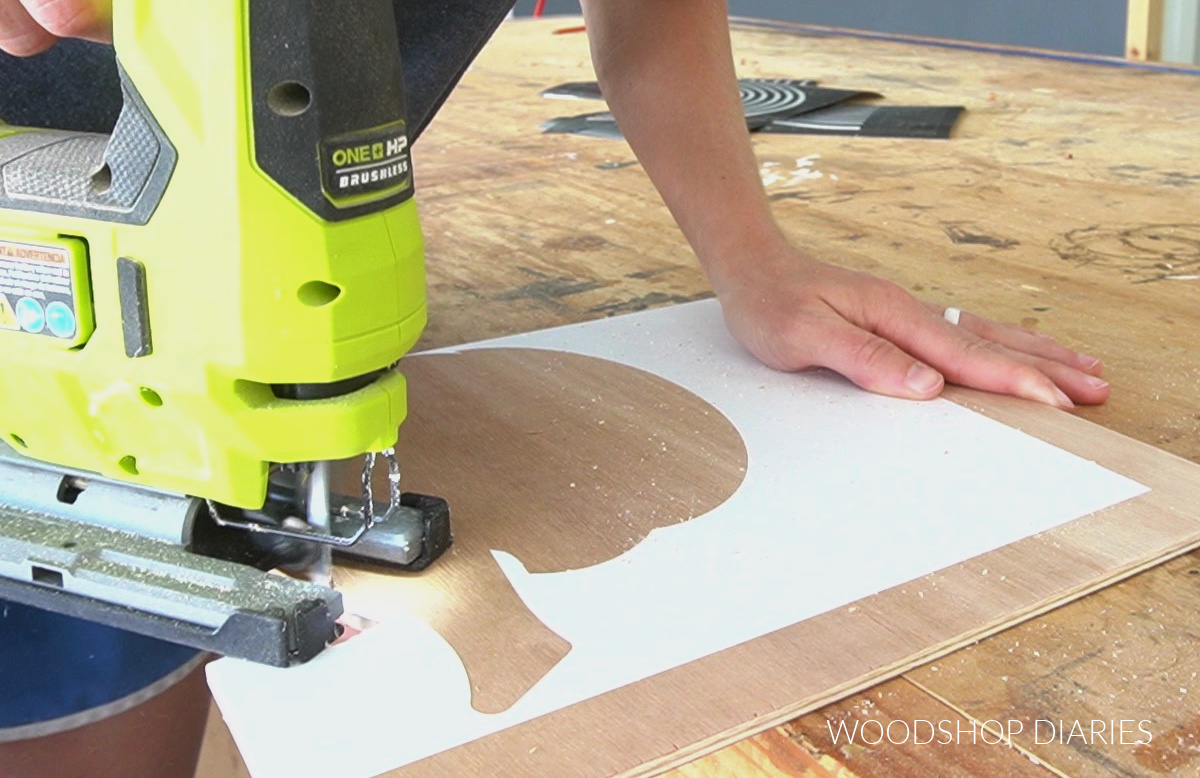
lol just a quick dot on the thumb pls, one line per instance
(877, 365)
(90, 19)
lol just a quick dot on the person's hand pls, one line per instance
(29, 27)
(793, 312)
(663, 64)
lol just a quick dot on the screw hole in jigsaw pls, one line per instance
(102, 180)
(289, 98)
(151, 397)
(317, 294)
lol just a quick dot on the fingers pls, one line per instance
(1077, 375)
(90, 19)
(29, 27)
(981, 364)
(941, 352)
(1082, 387)
(1025, 341)
(20, 34)
(876, 364)
(968, 359)
(960, 356)
(884, 340)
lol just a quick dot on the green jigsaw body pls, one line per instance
(171, 316)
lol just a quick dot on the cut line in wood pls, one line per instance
(546, 456)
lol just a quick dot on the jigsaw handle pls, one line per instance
(325, 86)
(119, 178)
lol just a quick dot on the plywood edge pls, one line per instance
(814, 702)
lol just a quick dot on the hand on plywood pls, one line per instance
(29, 27)
(662, 64)
(794, 312)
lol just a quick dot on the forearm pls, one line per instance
(666, 70)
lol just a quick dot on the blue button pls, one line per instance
(61, 319)
(30, 315)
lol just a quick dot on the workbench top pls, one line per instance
(1067, 201)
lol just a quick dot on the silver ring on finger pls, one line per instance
(952, 315)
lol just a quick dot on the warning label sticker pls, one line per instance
(37, 290)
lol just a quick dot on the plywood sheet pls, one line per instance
(836, 560)
(544, 456)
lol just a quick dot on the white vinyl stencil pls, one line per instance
(846, 494)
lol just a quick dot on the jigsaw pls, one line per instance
(200, 317)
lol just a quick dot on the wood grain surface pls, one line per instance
(671, 718)
(549, 457)
(1066, 202)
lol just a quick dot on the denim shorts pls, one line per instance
(59, 672)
